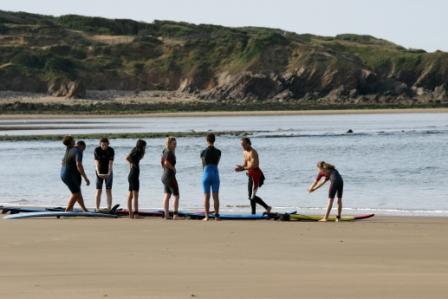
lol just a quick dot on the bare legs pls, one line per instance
(339, 209)
(98, 198)
(108, 198)
(133, 204)
(330, 206)
(207, 204)
(75, 198)
(166, 205)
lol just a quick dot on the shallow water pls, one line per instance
(392, 163)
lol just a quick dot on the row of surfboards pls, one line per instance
(20, 212)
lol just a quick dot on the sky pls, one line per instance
(413, 24)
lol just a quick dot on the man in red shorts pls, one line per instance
(256, 176)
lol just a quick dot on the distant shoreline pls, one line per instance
(18, 116)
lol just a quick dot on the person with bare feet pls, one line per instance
(329, 172)
(104, 159)
(72, 170)
(253, 171)
(210, 179)
(134, 158)
(168, 162)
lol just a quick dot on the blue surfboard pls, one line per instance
(58, 214)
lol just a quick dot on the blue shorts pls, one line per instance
(210, 179)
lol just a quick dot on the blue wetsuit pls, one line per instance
(210, 178)
(69, 172)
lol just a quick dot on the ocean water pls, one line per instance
(393, 164)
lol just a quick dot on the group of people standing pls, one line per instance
(72, 173)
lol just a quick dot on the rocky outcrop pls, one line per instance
(71, 54)
(66, 88)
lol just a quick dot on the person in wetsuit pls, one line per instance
(72, 170)
(210, 179)
(134, 158)
(254, 173)
(168, 162)
(329, 172)
(104, 159)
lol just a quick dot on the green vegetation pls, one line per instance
(107, 108)
(124, 54)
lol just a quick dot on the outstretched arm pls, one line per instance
(316, 185)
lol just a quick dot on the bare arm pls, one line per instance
(168, 165)
(80, 168)
(317, 184)
(97, 167)
(243, 166)
(111, 163)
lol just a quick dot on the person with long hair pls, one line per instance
(72, 170)
(210, 179)
(171, 188)
(134, 158)
(256, 177)
(328, 172)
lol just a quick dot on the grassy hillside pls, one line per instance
(43, 53)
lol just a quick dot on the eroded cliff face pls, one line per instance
(70, 55)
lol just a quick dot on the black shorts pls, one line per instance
(170, 186)
(99, 182)
(336, 189)
(73, 182)
(134, 180)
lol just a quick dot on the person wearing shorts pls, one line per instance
(255, 175)
(170, 186)
(210, 178)
(134, 158)
(72, 171)
(104, 159)
(330, 173)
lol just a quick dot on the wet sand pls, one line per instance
(220, 113)
(383, 257)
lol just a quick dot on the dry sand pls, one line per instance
(383, 257)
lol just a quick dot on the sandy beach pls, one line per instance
(384, 257)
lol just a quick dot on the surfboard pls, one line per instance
(145, 213)
(237, 216)
(58, 215)
(300, 217)
(29, 209)
(159, 213)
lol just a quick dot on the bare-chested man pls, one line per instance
(256, 176)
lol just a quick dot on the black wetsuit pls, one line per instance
(103, 157)
(69, 172)
(336, 183)
(169, 176)
(255, 200)
(133, 178)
